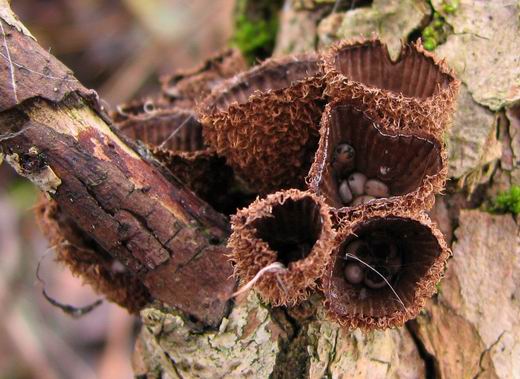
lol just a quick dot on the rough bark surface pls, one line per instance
(54, 133)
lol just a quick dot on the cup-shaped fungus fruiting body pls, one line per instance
(175, 138)
(384, 266)
(138, 108)
(415, 92)
(289, 231)
(165, 129)
(382, 166)
(265, 121)
(185, 88)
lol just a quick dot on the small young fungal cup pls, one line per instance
(292, 228)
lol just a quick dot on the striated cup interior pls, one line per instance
(400, 161)
(414, 74)
(402, 251)
(174, 130)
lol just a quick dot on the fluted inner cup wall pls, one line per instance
(397, 163)
(173, 129)
(401, 250)
(293, 229)
(412, 75)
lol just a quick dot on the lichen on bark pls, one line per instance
(393, 21)
(245, 346)
(483, 49)
(472, 139)
(336, 352)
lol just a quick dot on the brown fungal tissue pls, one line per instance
(184, 89)
(417, 90)
(166, 129)
(359, 161)
(378, 164)
(265, 121)
(383, 269)
(290, 227)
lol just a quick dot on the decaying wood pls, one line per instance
(53, 131)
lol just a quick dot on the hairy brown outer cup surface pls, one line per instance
(186, 88)
(265, 121)
(416, 92)
(413, 165)
(291, 227)
(424, 256)
(86, 259)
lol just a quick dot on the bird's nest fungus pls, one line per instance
(345, 147)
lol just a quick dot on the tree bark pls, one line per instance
(120, 197)
(54, 132)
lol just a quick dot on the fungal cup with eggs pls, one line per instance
(354, 187)
(383, 269)
(359, 160)
(373, 263)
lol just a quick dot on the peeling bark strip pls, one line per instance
(163, 233)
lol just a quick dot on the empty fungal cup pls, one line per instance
(186, 88)
(290, 231)
(416, 89)
(166, 129)
(383, 270)
(265, 121)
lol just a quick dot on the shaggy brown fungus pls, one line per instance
(372, 158)
(386, 164)
(265, 121)
(184, 89)
(290, 227)
(383, 269)
(417, 90)
(165, 129)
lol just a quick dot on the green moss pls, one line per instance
(430, 44)
(256, 26)
(450, 7)
(438, 288)
(508, 201)
(435, 33)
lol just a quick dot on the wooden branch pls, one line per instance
(54, 132)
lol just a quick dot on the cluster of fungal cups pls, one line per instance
(345, 149)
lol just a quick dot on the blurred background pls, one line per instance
(120, 48)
